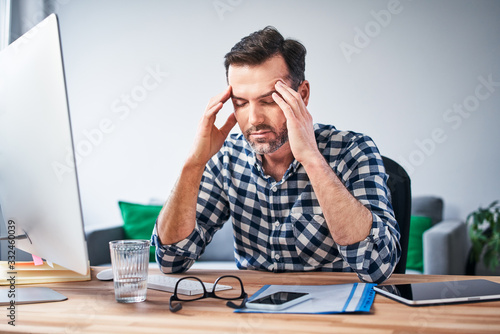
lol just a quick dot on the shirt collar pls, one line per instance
(256, 160)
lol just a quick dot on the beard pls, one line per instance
(264, 146)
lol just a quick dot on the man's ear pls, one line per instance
(304, 91)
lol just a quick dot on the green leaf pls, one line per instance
(484, 233)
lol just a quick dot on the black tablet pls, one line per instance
(448, 292)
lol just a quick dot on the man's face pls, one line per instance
(261, 120)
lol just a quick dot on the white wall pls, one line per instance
(399, 85)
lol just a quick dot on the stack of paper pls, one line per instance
(28, 273)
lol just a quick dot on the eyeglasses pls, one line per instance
(237, 292)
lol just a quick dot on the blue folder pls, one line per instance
(325, 299)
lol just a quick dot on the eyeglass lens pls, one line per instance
(221, 288)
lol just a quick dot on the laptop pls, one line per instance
(435, 293)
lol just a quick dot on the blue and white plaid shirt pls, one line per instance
(279, 225)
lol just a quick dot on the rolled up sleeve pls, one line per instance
(373, 259)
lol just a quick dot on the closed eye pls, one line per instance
(240, 104)
(269, 102)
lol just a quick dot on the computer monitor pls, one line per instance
(39, 195)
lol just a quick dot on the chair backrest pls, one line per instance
(400, 187)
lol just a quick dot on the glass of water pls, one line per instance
(130, 263)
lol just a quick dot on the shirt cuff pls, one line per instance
(177, 257)
(373, 258)
(185, 248)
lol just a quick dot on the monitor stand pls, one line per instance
(15, 295)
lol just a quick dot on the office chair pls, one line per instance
(400, 188)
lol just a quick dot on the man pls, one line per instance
(300, 196)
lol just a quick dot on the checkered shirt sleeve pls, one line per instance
(279, 225)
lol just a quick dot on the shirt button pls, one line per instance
(274, 189)
(277, 257)
(277, 223)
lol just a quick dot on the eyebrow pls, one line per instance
(258, 98)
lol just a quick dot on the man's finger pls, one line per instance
(222, 97)
(210, 114)
(230, 123)
(285, 107)
(289, 95)
(226, 94)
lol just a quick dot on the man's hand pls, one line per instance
(209, 138)
(347, 219)
(178, 217)
(299, 123)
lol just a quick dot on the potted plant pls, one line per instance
(484, 233)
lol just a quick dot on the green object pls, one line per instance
(418, 225)
(484, 232)
(139, 221)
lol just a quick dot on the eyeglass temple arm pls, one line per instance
(175, 307)
(231, 304)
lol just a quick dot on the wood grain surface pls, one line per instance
(91, 308)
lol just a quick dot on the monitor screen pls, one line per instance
(39, 193)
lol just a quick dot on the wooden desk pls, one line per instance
(91, 308)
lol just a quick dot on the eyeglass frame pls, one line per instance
(207, 294)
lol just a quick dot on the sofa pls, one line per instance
(445, 244)
(138, 221)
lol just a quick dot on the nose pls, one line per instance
(255, 115)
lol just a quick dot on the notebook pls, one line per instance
(26, 272)
(432, 293)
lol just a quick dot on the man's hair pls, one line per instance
(261, 45)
